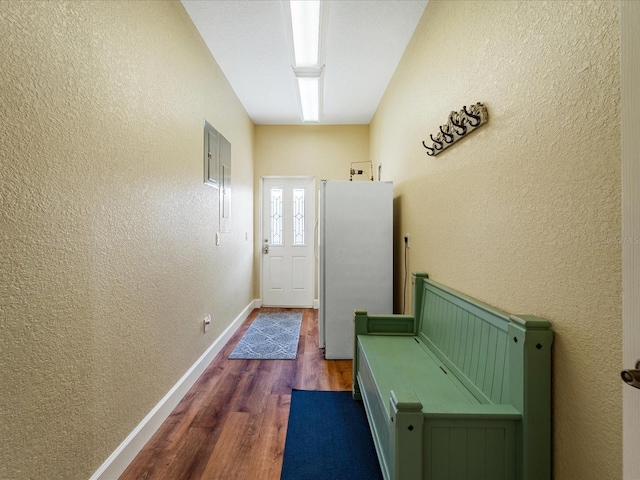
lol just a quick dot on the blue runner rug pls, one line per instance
(328, 438)
(271, 336)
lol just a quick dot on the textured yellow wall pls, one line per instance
(524, 213)
(108, 262)
(321, 151)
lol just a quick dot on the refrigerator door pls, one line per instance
(356, 258)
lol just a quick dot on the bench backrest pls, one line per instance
(469, 337)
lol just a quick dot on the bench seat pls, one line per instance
(401, 364)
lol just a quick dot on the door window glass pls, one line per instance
(298, 216)
(276, 216)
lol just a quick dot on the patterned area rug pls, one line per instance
(271, 336)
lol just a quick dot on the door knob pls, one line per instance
(632, 377)
(265, 246)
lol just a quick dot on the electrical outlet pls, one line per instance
(217, 239)
(406, 240)
(207, 322)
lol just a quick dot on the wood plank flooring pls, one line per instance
(232, 424)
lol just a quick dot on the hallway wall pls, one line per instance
(109, 263)
(524, 213)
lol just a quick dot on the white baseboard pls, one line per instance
(257, 303)
(120, 459)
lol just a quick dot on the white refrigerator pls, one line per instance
(355, 255)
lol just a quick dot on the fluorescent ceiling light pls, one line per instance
(309, 98)
(305, 22)
(305, 29)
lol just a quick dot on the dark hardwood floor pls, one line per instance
(232, 424)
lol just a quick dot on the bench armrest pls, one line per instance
(420, 433)
(472, 412)
(407, 401)
(366, 324)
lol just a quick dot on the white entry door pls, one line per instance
(630, 80)
(288, 262)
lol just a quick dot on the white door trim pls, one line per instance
(312, 197)
(630, 125)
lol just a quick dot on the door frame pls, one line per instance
(630, 239)
(262, 233)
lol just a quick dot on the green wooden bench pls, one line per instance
(459, 391)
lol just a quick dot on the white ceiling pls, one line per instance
(249, 40)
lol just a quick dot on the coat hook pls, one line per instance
(447, 136)
(460, 128)
(431, 151)
(471, 115)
